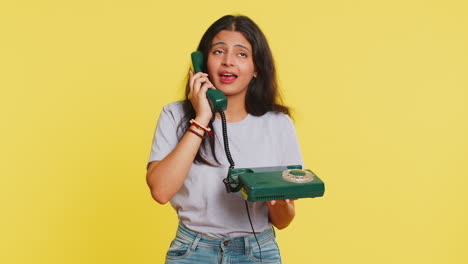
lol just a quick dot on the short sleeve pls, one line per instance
(290, 145)
(165, 137)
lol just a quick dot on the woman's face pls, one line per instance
(230, 63)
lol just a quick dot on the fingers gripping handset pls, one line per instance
(217, 99)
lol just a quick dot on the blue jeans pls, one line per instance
(192, 247)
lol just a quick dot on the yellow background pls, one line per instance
(378, 89)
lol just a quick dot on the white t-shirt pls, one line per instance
(202, 203)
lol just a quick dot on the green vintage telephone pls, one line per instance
(263, 183)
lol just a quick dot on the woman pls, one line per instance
(187, 168)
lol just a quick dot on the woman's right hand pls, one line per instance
(198, 96)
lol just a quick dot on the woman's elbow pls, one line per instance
(281, 226)
(159, 197)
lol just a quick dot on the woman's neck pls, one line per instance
(235, 111)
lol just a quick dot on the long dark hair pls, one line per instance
(262, 94)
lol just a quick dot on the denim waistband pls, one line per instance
(185, 233)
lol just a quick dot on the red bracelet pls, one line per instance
(195, 132)
(206, 129)
(196, 124)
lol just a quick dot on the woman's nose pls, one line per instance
(228, 60)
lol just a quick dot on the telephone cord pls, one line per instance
(251, 225)
(231, 163)
(226, 142)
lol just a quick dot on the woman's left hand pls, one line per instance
(281, 212)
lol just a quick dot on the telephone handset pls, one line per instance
(218, 103)
(217, 99)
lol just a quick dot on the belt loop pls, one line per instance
(247, 245)
(195, 242)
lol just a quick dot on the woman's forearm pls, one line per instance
(167, 176)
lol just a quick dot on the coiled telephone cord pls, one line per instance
(228, 179)
(226, 142)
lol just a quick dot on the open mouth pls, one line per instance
(227, 78)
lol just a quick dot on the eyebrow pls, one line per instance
(224, 43)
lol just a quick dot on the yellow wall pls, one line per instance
(379, 90)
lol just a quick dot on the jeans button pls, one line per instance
(225, 243)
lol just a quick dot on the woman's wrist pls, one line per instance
(204, 130)
(193, 130)
(203, 120)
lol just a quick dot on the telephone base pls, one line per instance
(277, 183)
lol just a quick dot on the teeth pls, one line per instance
(227, 74)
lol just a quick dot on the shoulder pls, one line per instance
(174, 107)
(276, 117)
(174, 110)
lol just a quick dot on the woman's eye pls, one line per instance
(217, 52)
(242, 54)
